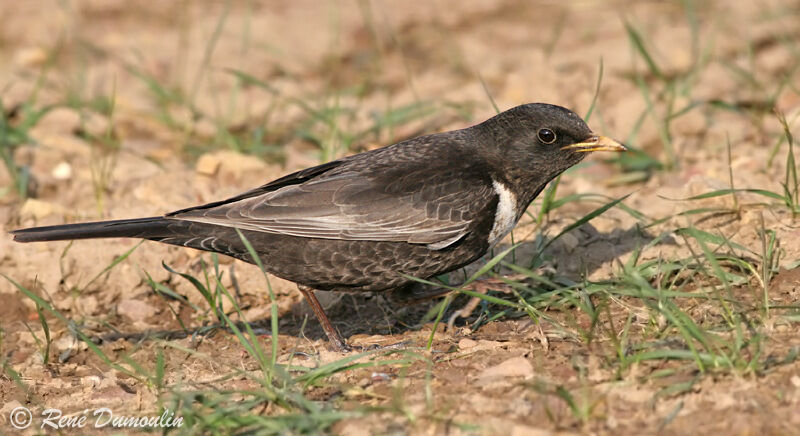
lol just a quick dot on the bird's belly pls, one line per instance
(366, 265)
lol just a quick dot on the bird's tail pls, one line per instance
(147, 228)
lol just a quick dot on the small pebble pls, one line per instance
(466, 344)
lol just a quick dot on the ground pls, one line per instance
(652, 292)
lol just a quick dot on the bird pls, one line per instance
(376, 220)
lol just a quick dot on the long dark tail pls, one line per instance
(147, 228)
(203, 236)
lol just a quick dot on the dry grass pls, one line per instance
(653, 292)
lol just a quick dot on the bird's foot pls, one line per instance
(335, 339)
(481, 286)
(415, 293)
(347, 348)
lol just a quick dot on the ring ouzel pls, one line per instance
(421, 207)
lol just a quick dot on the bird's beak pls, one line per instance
(596, 143)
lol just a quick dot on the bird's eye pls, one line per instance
(547, 136)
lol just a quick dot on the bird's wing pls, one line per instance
(287, 180)
(434, 206)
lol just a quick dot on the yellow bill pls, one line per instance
(596, 143)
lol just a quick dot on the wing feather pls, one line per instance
(400, 193)
(351, 206)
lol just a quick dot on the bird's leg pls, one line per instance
(335, 339)
(415, 293)
(481, 286)
(418, 293)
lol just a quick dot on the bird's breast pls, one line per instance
(505, 217)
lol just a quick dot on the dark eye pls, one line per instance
(547, 136)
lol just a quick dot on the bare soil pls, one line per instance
(151, 155)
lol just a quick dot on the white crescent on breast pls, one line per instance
(505, 218)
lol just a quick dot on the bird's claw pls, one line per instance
(347, 348)
(482, 287)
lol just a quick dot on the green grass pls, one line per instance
(14, 129)
(665, 316)
(222, 410)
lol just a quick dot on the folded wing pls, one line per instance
(436, 208)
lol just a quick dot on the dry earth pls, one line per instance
(154, 152)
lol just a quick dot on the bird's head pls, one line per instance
(539, 141)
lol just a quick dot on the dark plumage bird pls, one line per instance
(421, 207)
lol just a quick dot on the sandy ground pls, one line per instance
(180, 111)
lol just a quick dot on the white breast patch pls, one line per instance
(505, 218)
